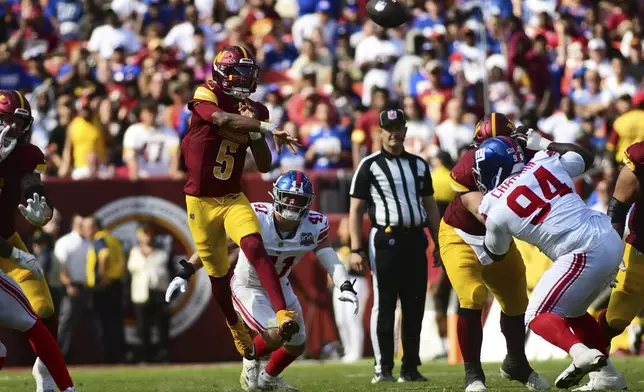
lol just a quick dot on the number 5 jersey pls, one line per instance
(539, 206)
(284, 249)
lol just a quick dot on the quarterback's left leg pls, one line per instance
(507, 281)
(242, 226)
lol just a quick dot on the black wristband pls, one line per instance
(348, 286)
(357, 250)
(187, 270)
(617, 211)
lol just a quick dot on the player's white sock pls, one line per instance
(44, 380)
(578, 351)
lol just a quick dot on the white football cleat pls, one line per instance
(266, 382)
(249, 374)
(476, 386)
(606, 378)
(70, 389)
(590, 361)
(44, 380)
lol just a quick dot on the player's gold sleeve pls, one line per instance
(458, 187)
(204, 94)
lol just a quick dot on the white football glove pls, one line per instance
(27, 261)
(536, 142)
(34, 212)
(177, 283)
(6, 150)
(350, 295)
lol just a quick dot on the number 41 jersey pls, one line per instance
(285, 251)
(539, 206)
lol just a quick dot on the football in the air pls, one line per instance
(388, 13)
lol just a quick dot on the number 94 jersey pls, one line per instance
(539, 206)
(284, 250)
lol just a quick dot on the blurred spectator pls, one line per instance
(65, 16)
(597, 60)
(85, 151)
(376, 44)
(105, 271)
(627, 129)
(453, 133)
(601, 197)
(428, 88)
(410, 62)
(618, 83)
(149, 268)
(52, 233)
(562, 125)
(591, 100)
(279, 55)
(106, 38)
(329, 146)
(441, 163)
(365, 136)
(350, 326)
(12, 74)
(150, 150)
(304, 25)
(312, 62)
(70, 252)
(182, 35)
(420, 129)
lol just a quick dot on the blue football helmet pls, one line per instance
(293, 195)
(495, 160)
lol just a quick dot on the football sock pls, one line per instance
(470, 334)
(49, 353)
(587, 330)
(279, 361)
(253, 248)
(555, 330)
(221, 291)
(608, 332)
(262, 349)
(513, 328)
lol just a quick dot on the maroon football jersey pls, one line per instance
(634, 159)
(25, 159)
(214, 157)
(456, 214)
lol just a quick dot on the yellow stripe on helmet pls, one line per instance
(493, 124)
(22, 100)
(244, 51)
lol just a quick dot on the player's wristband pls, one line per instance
(357, 250)
(255, 135)
(617, 211)
(187, 270)
(266, 128)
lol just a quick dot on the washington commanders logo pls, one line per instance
(306, 239)
(123, 216)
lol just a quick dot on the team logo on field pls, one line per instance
(306, 239)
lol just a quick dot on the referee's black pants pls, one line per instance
(399, 269)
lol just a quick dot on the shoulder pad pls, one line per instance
(462, 179)
(30, 159)
(634, 157)
(206, 92)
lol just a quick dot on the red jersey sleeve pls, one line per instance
(634, 158)
(32, 160)
(462, 179)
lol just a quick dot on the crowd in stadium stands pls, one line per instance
(109, 81)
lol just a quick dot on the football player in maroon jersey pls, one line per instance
(224, 123)
(460, 237)
(20, 166)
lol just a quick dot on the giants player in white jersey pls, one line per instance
(536, 203)
(16, 313)
(289, 231)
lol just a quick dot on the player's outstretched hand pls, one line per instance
(520, 135)
(35, 210)
(28, 261)
(348, 294)
(177, 283)
(283, 138)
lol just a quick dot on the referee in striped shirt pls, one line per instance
(396, 188)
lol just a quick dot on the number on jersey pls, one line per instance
(315, 218)
(550, 186)
(286, 265)
(226, 161)
(261, 208)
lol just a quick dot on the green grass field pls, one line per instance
(308, 376)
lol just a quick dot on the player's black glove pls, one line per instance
(187, 270)
(520, 135)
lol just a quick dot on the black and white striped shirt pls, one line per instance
(394, 188)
